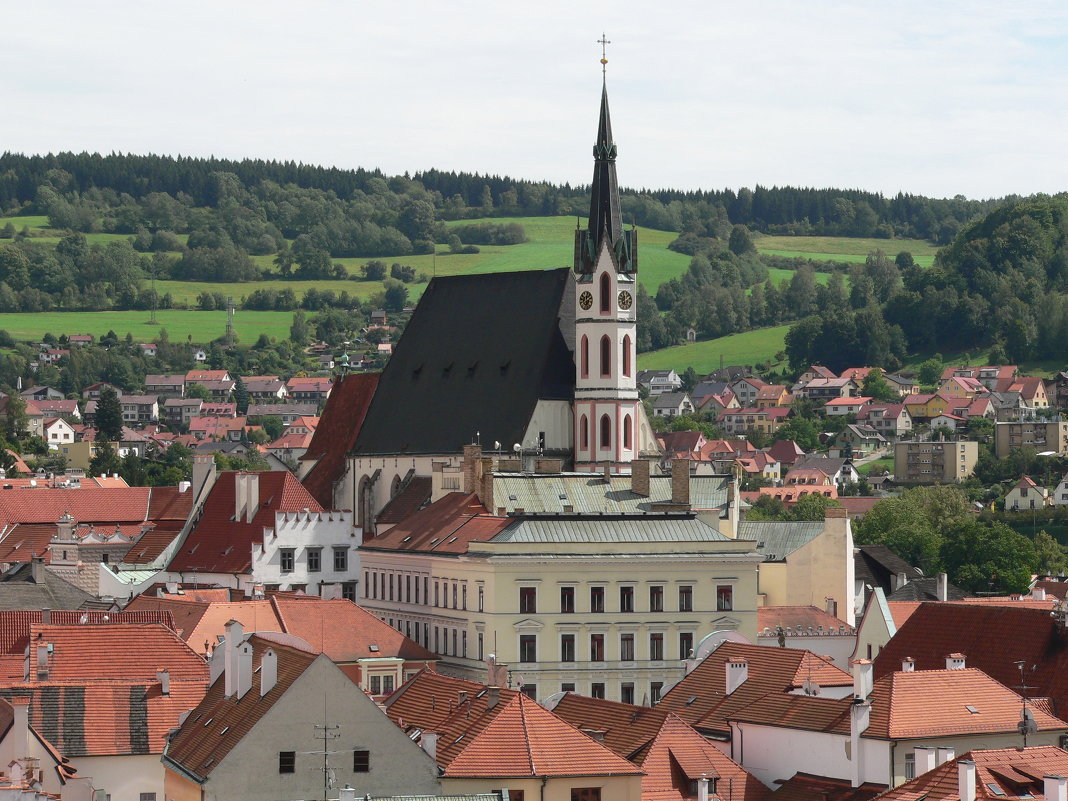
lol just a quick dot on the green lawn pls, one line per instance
(746, 348)
(201, 326)
(843, 248)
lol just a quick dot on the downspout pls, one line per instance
(544, 779)
(893, 748)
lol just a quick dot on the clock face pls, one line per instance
(625, 300)
(586, 300)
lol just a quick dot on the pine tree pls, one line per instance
(109, 416)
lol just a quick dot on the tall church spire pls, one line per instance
(605, 223)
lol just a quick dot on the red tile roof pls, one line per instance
(220, 544)
(336, 433)
(15, 625)
(628, 729)
(88, 504)
(407, 502)
(771, 617)
(446, 526)
(806, 787)
(526, 740)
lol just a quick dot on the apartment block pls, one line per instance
(934, 462)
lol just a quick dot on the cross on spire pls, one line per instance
(604, 42)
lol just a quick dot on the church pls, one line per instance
(537, 365)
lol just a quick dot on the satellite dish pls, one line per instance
(517, 447)
(551, 702)
(710, 642)
(496, 445)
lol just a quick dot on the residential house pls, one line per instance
(813, 372)
(289, 447)
(842, 406)
(958, 387)
(52, 355)
(903, 386)
(738, 422)
(857, 440)
(857, 374)
(34, 770)
(659, 381)
(786, 452)
(58, 431)
(149, 349)
(67, 409)
(107, 695)
(1057, 390)
(257, 732)
(179, 411)
(672, 404)
(92, 392)
(718, 405)
(288, 413)
(27, 584)
(948, 422)
(313, 389)
(935, 462)
(34, 417)
(890, 419)
(199, 376)
(705, 388)
(220, 390)
(760, 465)
(200, 355)
(994, 377)
(466, 582)
(807, 628)
(878, 567)
(41, 393)
(839, 470)
(1060, 494)
(214, 408)
(746, 389)
(771, 395)
(139, 409)
(170, 386)
(231, 429)
(821, 390)
(80, 339)
(268, 388)
(1032, 389)
(1009, 406)
(980, 406)
(925, 407)
(1026, 494)
(1042, 435)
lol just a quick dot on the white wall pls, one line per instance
(771, 753)
(302, 532)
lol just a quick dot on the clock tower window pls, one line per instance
(584, 432)
(606, 357)
(626, 432)
(626, 355)
(585, 357)
(606, 293)
(606, 432)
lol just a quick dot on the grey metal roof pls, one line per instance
(775, 540)
(652, 529)
(588, 493)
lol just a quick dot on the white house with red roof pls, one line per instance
(844, 406)
(1027, 495)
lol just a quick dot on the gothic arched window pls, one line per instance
(584, 432)
(606, 356)
(606, 293)
(584, 357)
(606, 431)
(626, 433)
(626, 355)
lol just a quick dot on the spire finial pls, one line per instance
(604, 42)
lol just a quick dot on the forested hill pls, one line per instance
(115, 180)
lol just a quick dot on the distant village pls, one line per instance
(512, 566)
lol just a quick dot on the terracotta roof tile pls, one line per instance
(525, 739)
(807, 787)
(628, 729)
(15, 625)
(407, 502)
(88, 504)
(804, 617)
(446, 526)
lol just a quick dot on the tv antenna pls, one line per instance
(1027, 724)
(326, 733)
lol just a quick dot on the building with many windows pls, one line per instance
(934, 462)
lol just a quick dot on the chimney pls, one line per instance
(832, 512)
(347, 793)
(493, 697)
(966, 780)
(203, 474)
(429, 743)
(900, 580)
(1039, 594)
(680, 482)
(46, 617)
(252, 496)
(737, 673)
(945, 754)
(42, 663)
(943, 589)
(268, 671)
(908, 665)
(606, 472)
(925, 759)
(20, 727)
(244, 669)
(702, 788)
(639, 477)
(216, 662)
(862, 678)
(234, 634)
(955, 662)
(1055, 788)
(472, 466)
(164, 677)
(37, 569)
(239, 497)
(831, 606)
(486, 492)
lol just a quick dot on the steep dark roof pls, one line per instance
(19, 590)
(877, 566)
(478, 353)
(926, 589)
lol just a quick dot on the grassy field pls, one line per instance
(201, 326)
(746, 348)
(840, 248)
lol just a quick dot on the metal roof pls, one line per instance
(619, 530)
(775, 540)
(589, 493)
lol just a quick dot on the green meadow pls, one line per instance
(843, 248)
(200, 326)
(749, 347)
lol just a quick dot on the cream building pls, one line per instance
(935, 462)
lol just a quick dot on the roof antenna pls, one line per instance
(1027, 724)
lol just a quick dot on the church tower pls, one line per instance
(609, 417)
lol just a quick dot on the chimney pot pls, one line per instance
(908, 665)
(956, 662)
(1055, 788)
(966, 780)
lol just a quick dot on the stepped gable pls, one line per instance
(218, 723)
(457, 710)
(525, 740)
(339, 426)
(477, 355)
(678, 748)
(628, 728)
(220, 544)
(700, 698)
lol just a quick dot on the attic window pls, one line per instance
(208, 763)
(562, 496)
(995, 789)
(406, 539)
(208, 722)
(454, 539)
(971, 709)
(225, 729)
(512, 498)
(433, 540)
(373, 649)
(691, 699)
(454, 742)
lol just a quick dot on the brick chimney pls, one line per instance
(485, 493)
(639, 477)
(832, 512)
(680, 482)
(966, 780)
(737, 674)
(472, 465)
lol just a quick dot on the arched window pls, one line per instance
(606, 293)
(365, 502)
(584, 432)
(626, 355)
(584, 357)
(394, 488)
(606, 356)
(606, 432)
(626, 432)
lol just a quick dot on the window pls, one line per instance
(567, 600)
(341, 559)
(655, 689)
(437, 594)
(606, 357)
(387, 685)
(463, 644)
(606, 293)
(596, 647)
(626, 647)
(408, 589)
(566, 687)
(437, 644)
(286, 558)
(626, 599)
(596, 599)
(685, 644)
(454, 651)
(417, 589)
(481, 599)
(686, 598)
(348, 590)
(528, 648)
(464, 598)
(146, 797)
(656, 598)
(426, 589)
(626, 431)
(567, 647)
(480, 646)
(626, 355)
(287, 761)
(910, 766)
(585, 357)
(584, 432)
(606, 432)
(626, 692)
(597, 689)
(586, 793)
(656, 646)
(374, 585)
(391, 586)
(376, 685)
(454, 594)
(361, 761)
(724, 598)
(528, 600)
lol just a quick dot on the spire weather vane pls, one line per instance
(604, 42)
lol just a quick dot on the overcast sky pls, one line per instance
(928, 97)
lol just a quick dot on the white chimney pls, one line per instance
(966, 780)
(234, 635)
(20, 726)
(702, 789)
(244, 669)
(737, 673)
(252, 496)
(945, 754)
(925, 756)
(943, 587)
(862, 678)
(908, 665)
(347, 794)
(429, 743)
(164, 677)
(239, 497)
(1039, 594)
(956, 662)
(268, 671)
(1055, 788)
(900, 580)
(216, 663)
